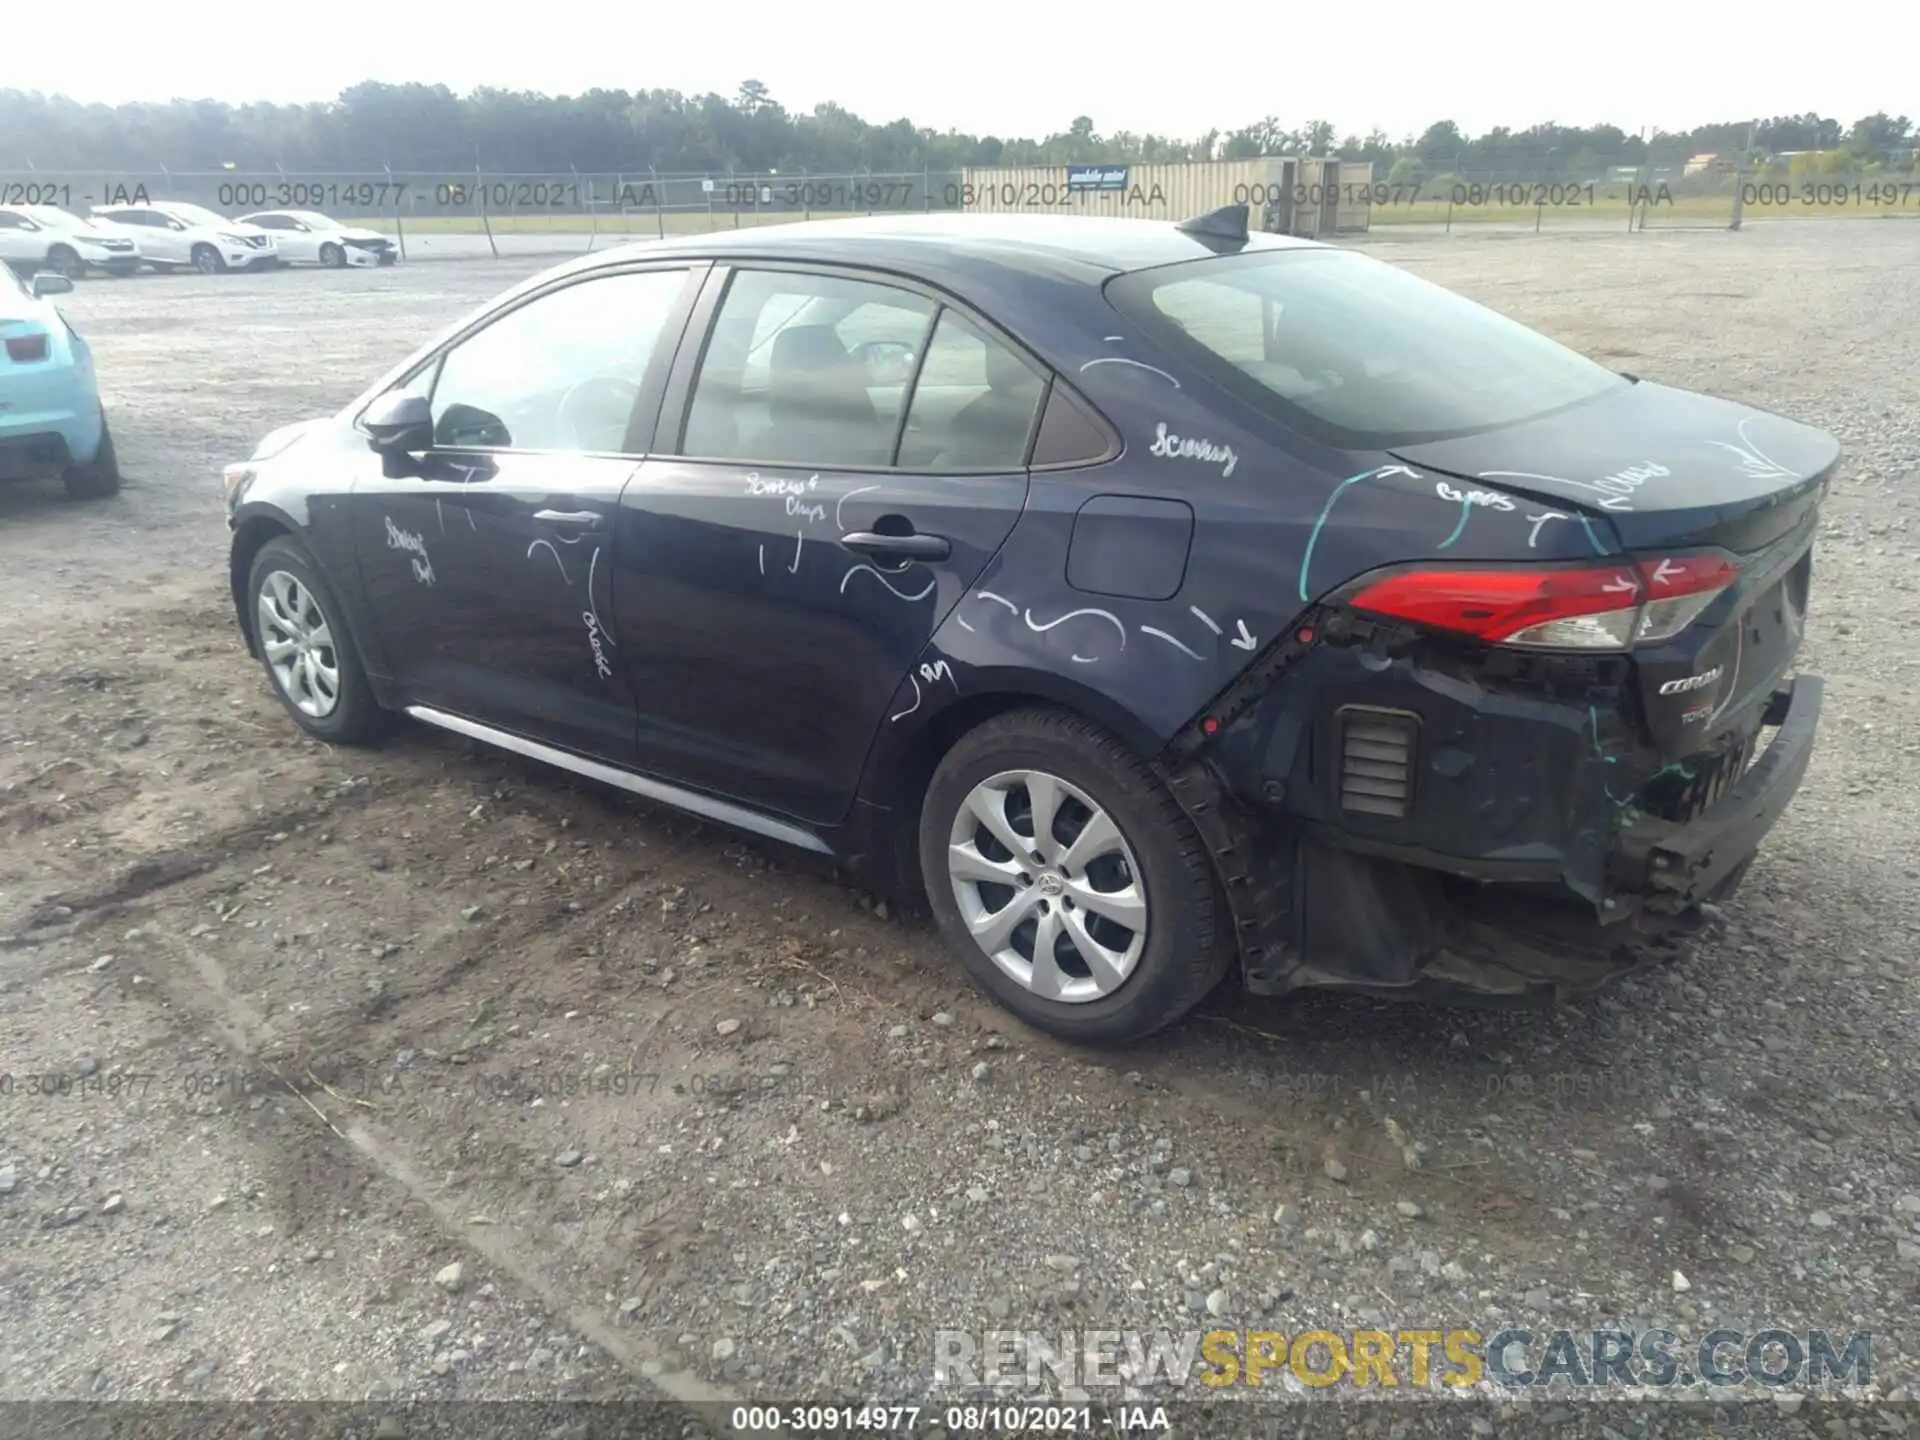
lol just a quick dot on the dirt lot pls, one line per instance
(288, 1031)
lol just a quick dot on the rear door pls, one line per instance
(851, 452)
(489, 570)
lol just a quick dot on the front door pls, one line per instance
(778, 581)
(488, 566)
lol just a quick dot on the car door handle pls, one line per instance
(906, 547)
(586, 519)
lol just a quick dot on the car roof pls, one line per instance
(1094, 246)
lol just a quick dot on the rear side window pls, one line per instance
(973, 405)
(806, 369)
(1356, 352)
(1068, 434)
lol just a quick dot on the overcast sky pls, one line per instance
(1013, 67)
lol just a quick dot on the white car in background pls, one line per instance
(44, 237)
(307, 236)
(174, 235)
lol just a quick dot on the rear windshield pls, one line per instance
(1356, 352)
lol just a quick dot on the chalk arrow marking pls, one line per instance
(1244, 640)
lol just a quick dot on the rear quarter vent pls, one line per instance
(1378, 754)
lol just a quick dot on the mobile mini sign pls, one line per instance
(1085, 178)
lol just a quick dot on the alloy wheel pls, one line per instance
(298, 644)
(1048, 886)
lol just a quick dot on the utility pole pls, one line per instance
(1740, 172)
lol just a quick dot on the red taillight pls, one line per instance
(1610, 607)
(23, 348)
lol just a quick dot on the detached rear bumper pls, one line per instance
(1675, 866)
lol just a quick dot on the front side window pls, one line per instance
(973, 405)
(806, 370)
(1355, 351)
(561, 372)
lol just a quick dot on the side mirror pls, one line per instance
(47, 283)
(397, 424)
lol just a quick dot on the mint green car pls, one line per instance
(52, 424)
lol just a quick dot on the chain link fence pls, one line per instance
(489, 212)
(480, 212)
(1637, 200)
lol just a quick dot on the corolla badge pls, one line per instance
(1691, 682)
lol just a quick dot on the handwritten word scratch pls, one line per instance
(932, 584)
(1189, 448)
(778, 485)
(413, 545)
(596, 638)
(1491, 499)
(930, 672)
(801, 509)
(1616, 491)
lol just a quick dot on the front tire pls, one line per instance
(312, 663)
(332, 256)
(207, 260)
(101, 478)
(1063, 873)
(66, 261)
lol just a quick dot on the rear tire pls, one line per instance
(312, 663)
(1151, 872)
(207, 260)
(101, 478)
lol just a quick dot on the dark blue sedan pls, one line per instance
(1147, 599)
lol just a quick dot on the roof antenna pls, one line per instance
(1229, 222)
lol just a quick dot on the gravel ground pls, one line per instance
(426, 1074)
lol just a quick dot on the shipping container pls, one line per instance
(1284, 194)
